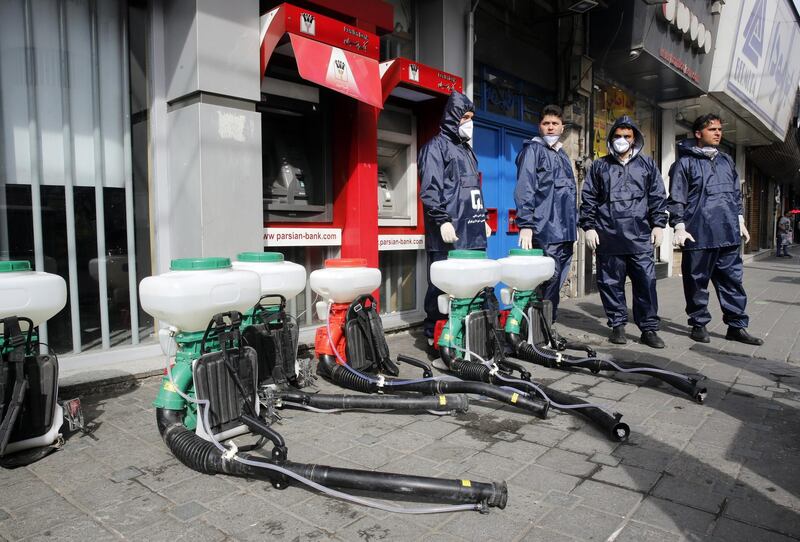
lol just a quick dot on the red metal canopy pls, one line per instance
(328, 52)
(416, 82)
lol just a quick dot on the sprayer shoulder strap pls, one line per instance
(12, 335)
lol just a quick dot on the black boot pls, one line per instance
(618, 335)
(700, 334)
(651, 339)
(741, 335)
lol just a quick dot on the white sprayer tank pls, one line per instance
(464, 273)
(344, 279)
(526, 269)
(195, 289)
(30, 294)
(278, 277)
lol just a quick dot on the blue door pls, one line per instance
(496, 147)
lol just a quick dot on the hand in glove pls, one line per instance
(743, 229)
(656, 236)
(448, 232)
(592, 239)
(488, 229)
(681, 235)
(525, 238)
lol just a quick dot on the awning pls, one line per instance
(328, 52)
(416, 82)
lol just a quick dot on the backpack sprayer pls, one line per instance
(211, 393)
(470, 344)
(352, 349)
(30, 415)
(523, 271)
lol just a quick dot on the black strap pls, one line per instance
(12, 335)
(363, 310)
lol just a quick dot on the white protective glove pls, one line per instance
(681, 235)
(656, 236)
(592, 239)
(743, 229)
(525, 240)
(488, 229)
(448, 232)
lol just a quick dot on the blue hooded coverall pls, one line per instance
(623, 203)
(450, 192)
(706, 197)
(545, 196)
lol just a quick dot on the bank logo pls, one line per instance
(754, 33)
(308, 24)
(340, 69)
(413, 72)
(477, 200)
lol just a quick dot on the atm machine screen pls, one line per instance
(296, 160)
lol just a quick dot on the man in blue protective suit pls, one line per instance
(451, 195)
(624, 212)
(705, 209)
(545, 196)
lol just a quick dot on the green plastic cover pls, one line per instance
(199, 264)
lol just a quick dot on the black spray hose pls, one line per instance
(608, 422)
(341, 376)
(203, 456)
(543, 356)
(442, 403)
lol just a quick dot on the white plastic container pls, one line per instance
(342, 280)
(464, 273)
(278, 277)
(526, 269)
(196, 289)
(30, 294)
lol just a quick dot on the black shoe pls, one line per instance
(700, 334)
(618, 335)
(651, 339)
(741, 335)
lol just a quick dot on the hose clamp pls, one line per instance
(559, 358)
(231, 453)
(494, 369)
(381, 381)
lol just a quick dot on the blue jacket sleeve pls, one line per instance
(678, 193)
(525, 190)
(590, 198)
(656, 198)
(431, 168)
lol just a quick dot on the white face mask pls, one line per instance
(551, 139)
(465, 129)
(621, 145)
(711, 152)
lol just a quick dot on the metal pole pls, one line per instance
(36, 158)
(69, 178)
(99, 179)
(128, 172)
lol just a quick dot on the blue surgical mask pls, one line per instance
(551, 139)
(621, 145)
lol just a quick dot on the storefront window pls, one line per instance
(399, 280)
(73, 166)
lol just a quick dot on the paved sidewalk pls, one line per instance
(726, 470)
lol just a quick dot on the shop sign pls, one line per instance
(302, 237)
(403, 70)
(762, 72)
(684, 21)
(401, 242)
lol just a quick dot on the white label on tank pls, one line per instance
(224, 294)
(12, 300)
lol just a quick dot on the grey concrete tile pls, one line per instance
(175, 531)
(25, 492)
(567, 462)
(635, 531)
(519, 450)
(489, 466)
(284, 529)
(390, 528)
(645, 458)
(542, 480)
(605, 459)
(37, 517)
(627, 476)
(582, 523)
(330, 514)
(607, 498)
(78, 529)
(539, 534)
(441, 451)
(436, 429)
(188, 511)
(540, 434)
(696, 495)
(130, 516)
(405, 441)
(761, 511)
(673, 517)
(164, 474)
(728, 530)
(97, 493)
(201, 487)
(371, 457)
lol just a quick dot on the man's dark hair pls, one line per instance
(704, 120)
(552, 110)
